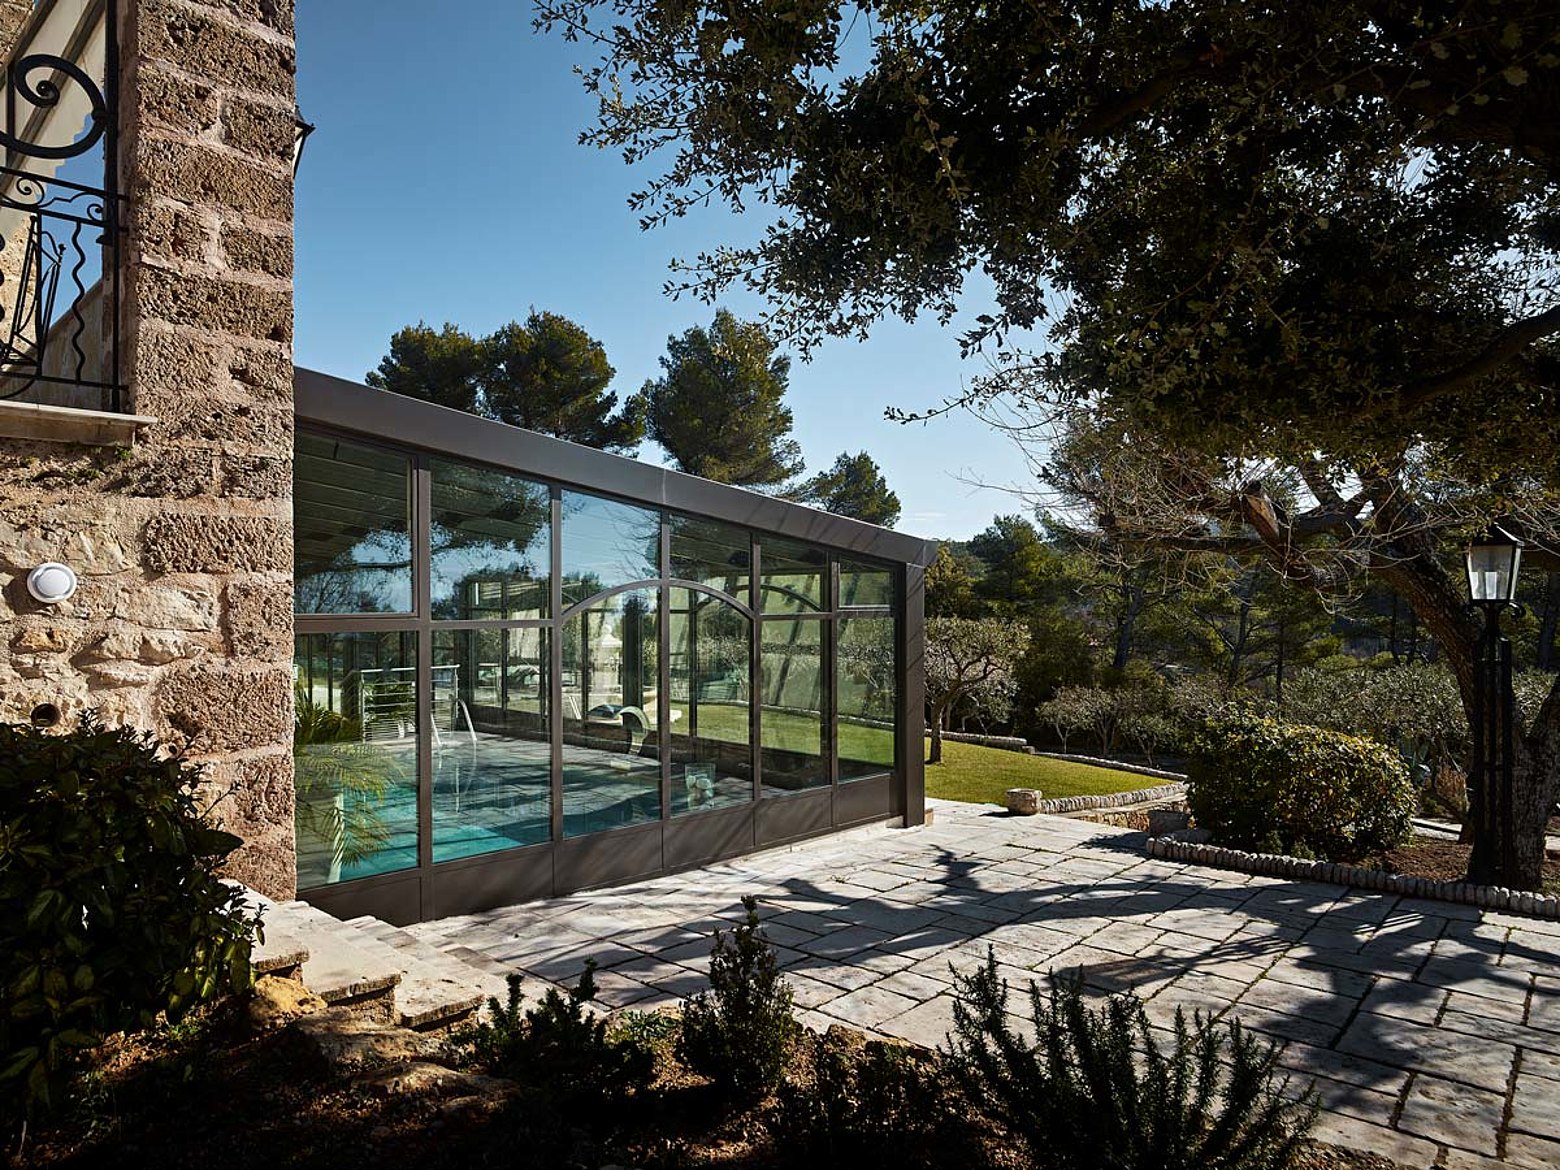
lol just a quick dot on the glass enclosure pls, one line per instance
(502, 663)
(355, 755)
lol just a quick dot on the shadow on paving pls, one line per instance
(1368, 990)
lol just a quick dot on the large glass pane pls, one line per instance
(862, 585)
(492, 543)
(492, 752)
(352, 543)
(791, 724)
(712, 554)
(711, 674)
(612, 751)
(794, 576)
(865, 696)
(606, 544)
(355, 755)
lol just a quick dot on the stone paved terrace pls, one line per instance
(1432, 1030)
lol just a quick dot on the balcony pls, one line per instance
(60, 218)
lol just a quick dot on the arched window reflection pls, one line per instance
(711, 683)
(610, 710)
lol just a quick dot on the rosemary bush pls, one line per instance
(1097, 1092)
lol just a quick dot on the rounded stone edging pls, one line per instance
(1066, 804)
(1115, 765)
(1169, 848)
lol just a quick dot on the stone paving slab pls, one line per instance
(1432, 1031)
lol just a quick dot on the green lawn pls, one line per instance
(982, 775)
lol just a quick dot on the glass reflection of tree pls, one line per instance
(500, 523)
(866, 660)
(711, 553)
(606, 544)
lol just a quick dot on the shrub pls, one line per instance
(1260, 784)
(1097, 1092)
(870, 1103)
(560, 1050)
(738, 1032)
(110, 908)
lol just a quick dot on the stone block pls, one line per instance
(198, 175)
(41, 639)
(259, 619)
(257, 477)
(1164, 820)
(267, 861)
(205, 46)
(118, 674)
(177, 102)
(164, 472)
(276, 1002)
(254, 251)
(262, 372)
(1024, 802)
(218, 544)
(274, 14)
(223, 306)
(148, 647)
(171, 230)
(167, 607)
(205, 418)
(266, 130)
(166, 366)
(225, 708)
(253, 790)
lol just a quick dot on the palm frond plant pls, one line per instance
(341, 784)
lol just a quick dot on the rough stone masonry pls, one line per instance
(183, 540)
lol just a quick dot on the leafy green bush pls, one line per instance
(1260, 784)
(738, 1032)
(110, 908)
(870, 1103)
(560, 1051)
(1098, 1093)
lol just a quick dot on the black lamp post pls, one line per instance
(1493, 562)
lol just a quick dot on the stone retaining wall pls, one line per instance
(1007, 743)
(1068, 804)
(183, 542)
(1169, 848)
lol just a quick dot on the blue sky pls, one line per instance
(446, 183)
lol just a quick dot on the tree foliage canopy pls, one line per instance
(1245, 227)
(717, 407)
(546, 374)
(853, 487)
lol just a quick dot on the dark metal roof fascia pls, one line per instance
(325, 400)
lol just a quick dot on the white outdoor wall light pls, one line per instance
(52, 583)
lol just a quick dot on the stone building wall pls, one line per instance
(183, 541)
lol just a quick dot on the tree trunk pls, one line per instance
(938, 715)
(1546, 625)
(1238, 646)
(1535, 790)
(1124, 627)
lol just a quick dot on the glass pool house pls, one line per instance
(524, 667)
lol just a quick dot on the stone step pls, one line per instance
(338, 969)
(281, 953)
(437, 989)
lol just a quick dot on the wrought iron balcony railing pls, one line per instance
(61, 211)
